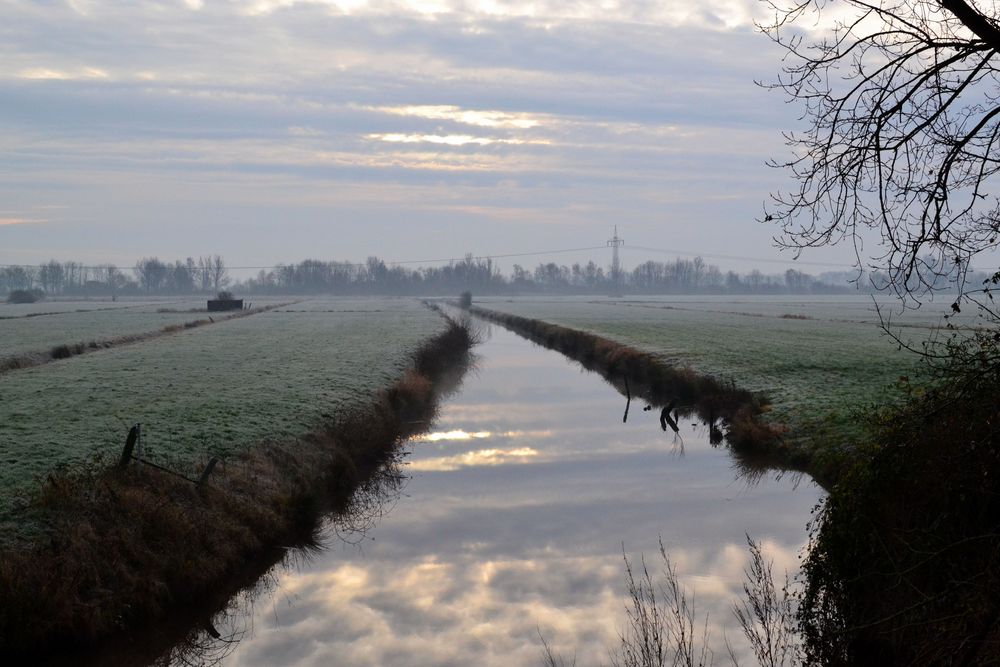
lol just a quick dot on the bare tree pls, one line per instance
(902, 107)
(220, 275)
(51, 276)
(205, 273)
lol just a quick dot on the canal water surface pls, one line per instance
(511, 524)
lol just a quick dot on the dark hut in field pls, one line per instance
(224, 301)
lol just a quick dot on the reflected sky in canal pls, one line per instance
(513, 523)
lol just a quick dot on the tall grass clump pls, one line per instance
(662, 626)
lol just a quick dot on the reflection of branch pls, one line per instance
(667, 420)
(628, 400)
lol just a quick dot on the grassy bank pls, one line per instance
(121, 547)
(730, 410)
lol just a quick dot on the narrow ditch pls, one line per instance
(732, 414)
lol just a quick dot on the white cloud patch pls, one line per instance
(448, 139)
(481, 118)
(476, 458)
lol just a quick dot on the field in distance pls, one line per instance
(38, 327)
(209, 391)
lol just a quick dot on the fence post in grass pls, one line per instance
(133, 435)
(208, 471)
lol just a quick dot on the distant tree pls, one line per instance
(16, 278)
(180, 278)
(51, 276)
(220, 275)
(797, 281)
(902, 114)
(151, 273)
(204, 272)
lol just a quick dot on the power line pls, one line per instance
(710, 255)
(533, 253)
(504, 256)
(362, 264)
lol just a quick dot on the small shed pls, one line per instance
(225, 304)
(224, 301)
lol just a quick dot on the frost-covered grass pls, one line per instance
(207, 391)
(70, 305)
(46, 328)
(816, 371)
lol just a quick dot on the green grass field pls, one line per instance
(208, 391)
(817, 358)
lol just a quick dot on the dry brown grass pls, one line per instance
(118, 548)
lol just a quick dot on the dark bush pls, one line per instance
(465, 300)
(25, 296)
(904, 565)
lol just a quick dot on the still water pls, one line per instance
(512, 523)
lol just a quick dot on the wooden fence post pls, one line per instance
(208, 471)
(133, 435)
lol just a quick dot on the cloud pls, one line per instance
(509, 124)
(448, 140)
(482, 118)
(480, 457)
(21, 221)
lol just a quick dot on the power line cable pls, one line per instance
(533, 253)
(363, 264)
(677, 251)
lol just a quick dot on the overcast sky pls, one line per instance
(274, 130)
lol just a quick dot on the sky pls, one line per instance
(270, 131)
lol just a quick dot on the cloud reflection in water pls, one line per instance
(492, 544)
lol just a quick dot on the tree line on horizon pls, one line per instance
(209, 274)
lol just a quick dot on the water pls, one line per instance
(512, 523)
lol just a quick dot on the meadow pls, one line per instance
(818, 359)
(209, 391)
(27, 329)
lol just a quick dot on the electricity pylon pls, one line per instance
(616, 269)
